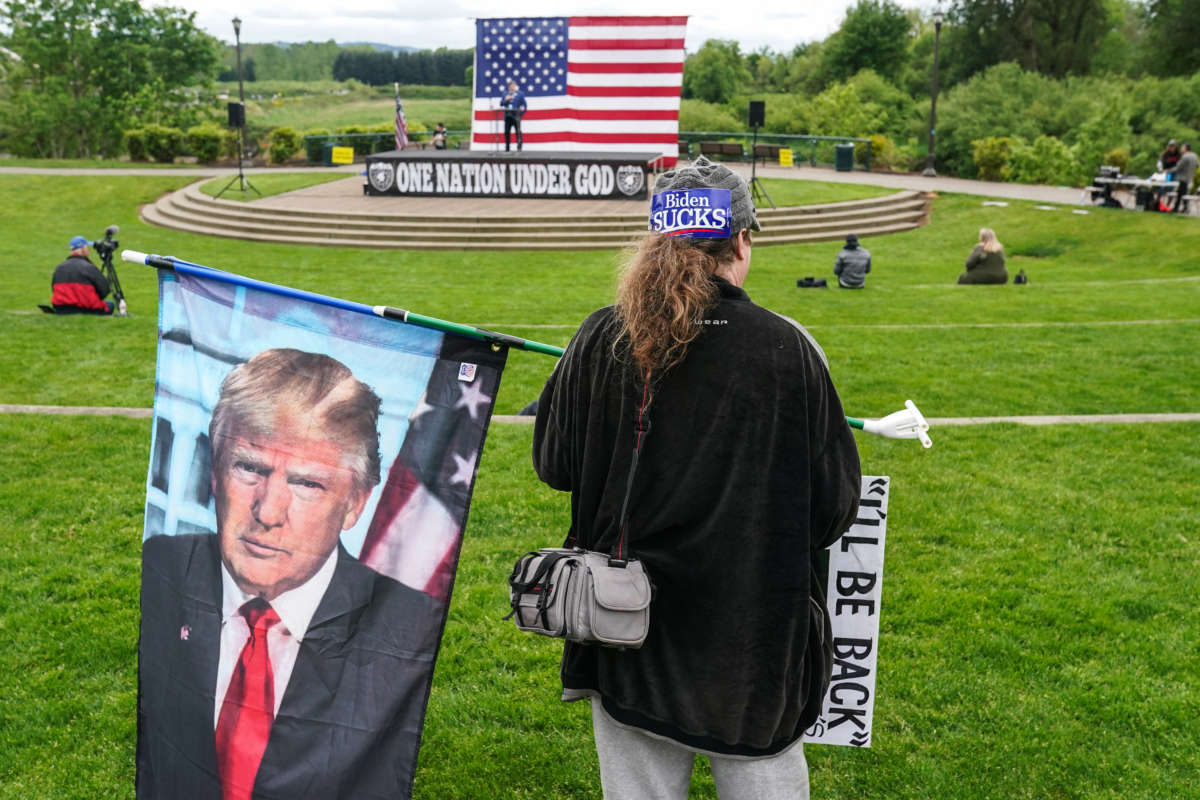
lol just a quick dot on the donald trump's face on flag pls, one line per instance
(295, 458)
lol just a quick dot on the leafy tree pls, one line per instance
(714, 73)
(874, 35)
(808, 70)
(1054, 37)
(88, 67)
(1174, 36)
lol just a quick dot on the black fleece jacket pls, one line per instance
(748, 472)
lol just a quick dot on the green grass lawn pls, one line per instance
(315, 111)
(804, 193)
(1039, 637)
(268, 185)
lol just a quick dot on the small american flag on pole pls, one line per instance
(591, 83)
(401, 124)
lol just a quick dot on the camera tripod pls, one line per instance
(105, 248)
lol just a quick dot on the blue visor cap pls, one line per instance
(700, 213)
(78, 242)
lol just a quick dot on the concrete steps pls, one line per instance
(192, 211)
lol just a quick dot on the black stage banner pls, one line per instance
(577, 176)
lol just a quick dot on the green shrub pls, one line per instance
(1117, 157)
(205, 142)
(883, 153)
(697, 115)
(991, 156)
(229, 143)
(163, 144)
(135, 144)
(284, 143)
(1047, 161)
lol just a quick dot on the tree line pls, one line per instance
(322, 61)
(441, 67)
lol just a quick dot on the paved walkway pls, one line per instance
(894, 180)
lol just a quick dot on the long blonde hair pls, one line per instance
(987, 238)
(664, 293)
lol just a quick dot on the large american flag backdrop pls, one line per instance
(591, 83)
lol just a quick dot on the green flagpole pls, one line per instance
(470, 331)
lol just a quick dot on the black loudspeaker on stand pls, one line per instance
(757, 118)
(237, 121)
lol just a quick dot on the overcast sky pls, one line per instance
(778, 24)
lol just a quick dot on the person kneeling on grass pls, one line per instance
(78, 287)
(986, 262)
(853, 264)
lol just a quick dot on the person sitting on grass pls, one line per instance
(78, 287)
(986, 262)
(853, 264)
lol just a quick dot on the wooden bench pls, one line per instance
(685, 150)
(721, 149)
(767, 152)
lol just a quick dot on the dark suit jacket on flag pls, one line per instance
(350, 720)
(350, 716)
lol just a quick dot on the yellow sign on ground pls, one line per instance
(785, 157)
(342, 155)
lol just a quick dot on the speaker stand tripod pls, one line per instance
(241, 179)
(757, 191)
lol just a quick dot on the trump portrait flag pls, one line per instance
(311, 470)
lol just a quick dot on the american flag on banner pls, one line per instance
(591, 83)
(401, 126)
(418, 523)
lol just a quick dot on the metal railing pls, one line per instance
(818, 146)
(365, 144)
(819, 149)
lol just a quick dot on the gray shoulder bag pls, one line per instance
(584, 595)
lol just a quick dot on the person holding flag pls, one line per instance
(747, 470)
(514, 106)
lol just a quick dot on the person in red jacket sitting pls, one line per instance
(78, 285)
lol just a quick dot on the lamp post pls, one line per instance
(241, 179)
(938, 19)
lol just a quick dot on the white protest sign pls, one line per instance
(852, 600)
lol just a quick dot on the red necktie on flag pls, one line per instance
(249, 707)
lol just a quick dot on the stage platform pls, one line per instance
(549, 174)
(337, 214)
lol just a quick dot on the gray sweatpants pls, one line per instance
(637, 766)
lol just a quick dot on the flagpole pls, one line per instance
(904, 424)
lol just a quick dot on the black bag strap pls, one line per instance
(619, 556)
(537, 583)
